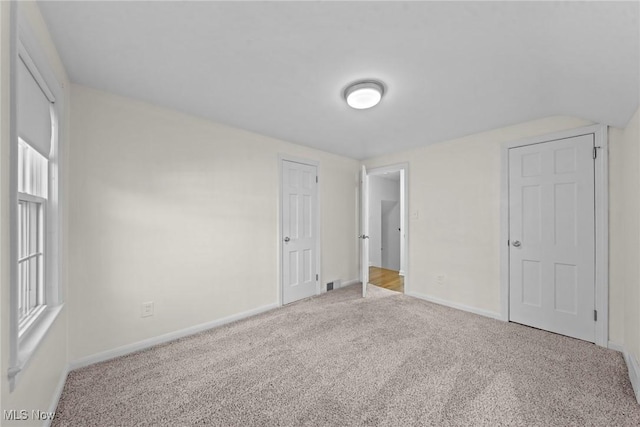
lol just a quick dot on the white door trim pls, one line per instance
(364, 229)
(281, 159)
(403, 168)
(601, 221)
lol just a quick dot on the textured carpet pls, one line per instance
(338, 360)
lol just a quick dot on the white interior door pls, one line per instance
(364, 230)
(552, 236)
(299, 202)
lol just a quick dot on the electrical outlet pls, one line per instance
(440, 279)
(147, 309)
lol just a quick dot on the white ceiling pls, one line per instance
(451, 68)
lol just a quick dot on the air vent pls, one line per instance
(334, 285)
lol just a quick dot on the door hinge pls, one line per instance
(316, 179)
(317, 277)
(595, 315)
(595, 152)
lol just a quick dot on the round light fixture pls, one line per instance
(364, 94)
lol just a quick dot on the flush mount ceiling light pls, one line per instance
(364, 94)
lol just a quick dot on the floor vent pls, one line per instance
(334, 285)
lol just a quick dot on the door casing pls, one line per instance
(281, 159)
(364, 229)
(403, 168)
(601, 222)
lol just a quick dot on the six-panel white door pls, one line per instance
(552, 236)
(299, 202)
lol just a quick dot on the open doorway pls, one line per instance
(387, 234)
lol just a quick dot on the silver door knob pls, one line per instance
(286, 239)
(516, 243)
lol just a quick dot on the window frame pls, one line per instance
(24, 46)
(26, 323)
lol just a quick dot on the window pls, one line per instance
(32, 201)
(35, 211)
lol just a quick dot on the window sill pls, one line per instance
(32, 320)
(30, 341)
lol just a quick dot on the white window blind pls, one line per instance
(34, 110)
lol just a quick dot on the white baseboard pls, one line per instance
(57, 393)
(615, 346)
(401, 273)
(634, 373)
(456, 305)
(632, 366)
(349, 282)
(150, 342)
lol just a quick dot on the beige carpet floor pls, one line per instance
(339, 360)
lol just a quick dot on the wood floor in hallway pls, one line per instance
(388, 279)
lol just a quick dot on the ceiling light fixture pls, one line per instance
(364, 94)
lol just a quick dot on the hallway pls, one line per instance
(388, 279)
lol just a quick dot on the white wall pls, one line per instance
(454, 188)
(380, 189)
(632, 288)
(5, 225)
(624, 229)
(391, 234)
(183, 212)
(37, 387)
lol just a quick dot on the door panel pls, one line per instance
(299, 198)
(552, 236)
(531, 283)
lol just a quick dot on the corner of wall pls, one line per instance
(634, 373)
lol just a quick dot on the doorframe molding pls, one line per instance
(403, 168)
(281, 159)
(601, 189)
